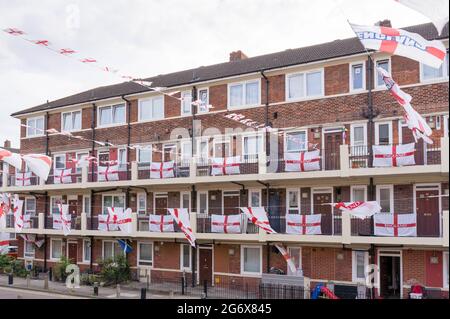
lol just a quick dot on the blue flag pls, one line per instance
(126, 247)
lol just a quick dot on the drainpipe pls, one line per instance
(194, 113)
(194, 192)
(47, 152)
(91, 260)
(94, 118)
(129, 136)
(266, 112)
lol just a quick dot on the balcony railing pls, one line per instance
(181, 169)
(123, 172)
(248, 164)
(75, 177)
(204, 225)
(75, 222)
(33, 180)
(143, 222)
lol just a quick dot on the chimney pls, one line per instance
(384, 23)
(7, 144)
(237, 56)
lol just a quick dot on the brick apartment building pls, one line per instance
(315, 96)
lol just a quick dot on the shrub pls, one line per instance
(18, 268)
(89, 279)
(59, 272)
(115, 271)
(5, 263)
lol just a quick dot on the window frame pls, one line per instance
(139, 155)
(25, 211)
(138, 256)
(52, 247)
(382, 85)
(243, 272)
(377, 132)
(355, 278)
(198, 108)
(353, 187)
(113, 242)
(182, 268)
(182, 103)
(289, 249)
(113, 197)
(57, 156)
(207, 201)
(28, 254)
(445, 75)
(51, 202)
(138, 208)
(305, 95)
(84, 251)
(254, 190)
(244, 94)
(288, 206)
(71, 120)
(222, 140)
(391, 196)
(445, 275)
(364, 86)
(35, 119)
(293, 132)
(260, 140)
(112, 124)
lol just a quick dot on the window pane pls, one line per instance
(60, 162)
(158, 108)
(357, 76)
(56, 249)
(39, 126)
(119, 114)
(358, 195)
(186, 103)
(142, 203)
(251, 93)
(105, 116)
(186, 201)
(30, 205)
(236, 92)
(31, 128)
(384, 65)
(67, 122)
(314, 83)
(119, 201)
(296, 86)
(383, 134)
(295, 257)
(255, 199)
(296, 142)
(360, 264)
(107, 250)
(76, 118)
(204, 150)
(87, 205)
(145, 110)
(252, 260)
(186, 150)
(293, 199)
(145, 155)
(358, 135)
(186, 256)
(145, 252)
(203, 97)
(203, 203)
(107, 202)
(251, 145)
(87, 250)
(430, 73)
(118, 251)
(385, 200)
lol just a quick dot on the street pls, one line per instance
(12, 293)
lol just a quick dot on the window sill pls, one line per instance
(110, 125)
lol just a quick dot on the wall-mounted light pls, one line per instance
(434, 260)
(213, 197)
(305, 195)
(340, 256)
(231, 251)
(156, 248)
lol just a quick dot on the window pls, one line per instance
(54, 201)
(56, 249)
(144, 155)
(186, 200)
(87, 205)
(429, 73)
(358, 135)
(71, 121)
(122, 156)
(243, 94)
(170, 152)
(79, 157)
(296, 257)
(186, 151)
(359, 264)
(251, 260)
(113, 201)
(385, 197)
(145, 254)
(111, 249)
(446, 269)
(253, 145)
(255, 198)
(221, 147)
(86, 250)
(308, 84)
(384, 64)
(358, 194)
(203, 150)
(203, 202)
(185, 257)
(28, 251)
(357, 77)
(296, 142)
(383, 133)
(151, 109)
(186, 103)
(112, 115)
(30, 205)
(293, 200)
(60, 161)
(142, 203)
(35, 126)
(203, 96)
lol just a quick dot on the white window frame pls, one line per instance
(207, 201)
(32, 212)
(152, 100)
(260, 140)
(72, 129)
(391, 197)
(122, 149)
(79, 155)
(382, 85)
(353, 187)
(199, 111)
(113, 251)
(51, 202)
(244, 94)
(138, 208)
(182, 194)
(289, 249)
(113, 196)
(445, 269)
(112, 124)
(445, 119)
(377, 132)
(222, 140)
(87, 198)
(182, 268)
(51, 249)
(182, 103)
(444, 76)
(183, 145)
(38, 133)
(260, 260)
(288, 207)
(305, 85)
(250, 191)
(138, 153)
(170, 146)
(54, 160)
(293, 132)
(355, 279)
(84, 250)
(352, 135)
(199, 142)
(352, 89)
(138, 257)
(28, 254)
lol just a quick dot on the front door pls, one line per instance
(231, 203)
(390, 277)
(427, 207)
(161, 205)
(322, 205)
(205, 266)
(73, 207)
(333, 141)
(72, 252)
(275, 210)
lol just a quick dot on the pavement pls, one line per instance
(35, 289)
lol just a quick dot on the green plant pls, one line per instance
(115, 270)
(18, 268)
(89, 279)
(5, 262)
(59, 272)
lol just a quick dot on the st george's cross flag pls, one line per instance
(181, 217)
(32, 238)
(62, 176)
(435, 10)
(11, 158)
(226, 224)
(39, 164)
(400, 96)
(287, 258)
(62, 220)
(18, 214)
(361, 210)
(395, 225)
(4, 243)
(302, 162)
(23, 179)
(258, 216)
(225, 166)
(108, 173)
(162, 170)
(5, 208)
(393, 155)
(401, 42)
(108, 222)
(303, 224)
(161, 224)
(125, 221)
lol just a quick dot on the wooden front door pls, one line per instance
(408, 138)
(274, 212)
(73, 207)
(205, 266)
(161, 205)
(333, 141)
(231, 204)
(427, 213)
(322, 206)
(73, 252)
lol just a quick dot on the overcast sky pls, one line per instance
(151, 37)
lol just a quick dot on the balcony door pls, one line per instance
(332, 140)
(428, 212)
(161, 204)
(322, 204)
(407, 138)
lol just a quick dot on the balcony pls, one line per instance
(74, 178)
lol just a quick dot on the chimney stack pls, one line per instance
(7, 144)
(384, 23)
(237, 56)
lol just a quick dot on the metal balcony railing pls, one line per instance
(248, 164)
(181, 169)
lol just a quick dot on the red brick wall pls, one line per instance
(337, 79)
(405, 71)
(218, 96)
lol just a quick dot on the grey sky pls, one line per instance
(151, 37)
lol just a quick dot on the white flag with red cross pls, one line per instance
(401, 42)
(39, 164)
(302, 162)
(361, 210)
(11, 158)
(32, 238)
(5, 207)
(108, 173)
(62, 220)
(162, 170)
(287, 258)
(181, 217)
(4, 243)
(393, 155)
(303, 224)
(400, 96)
(225, 166)
(258, 216)
(18, 214)
(226, 224)
(23, 179)
(161, 224)
(108, 222)
(124, 220)
(395, 225)
(62, 176)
